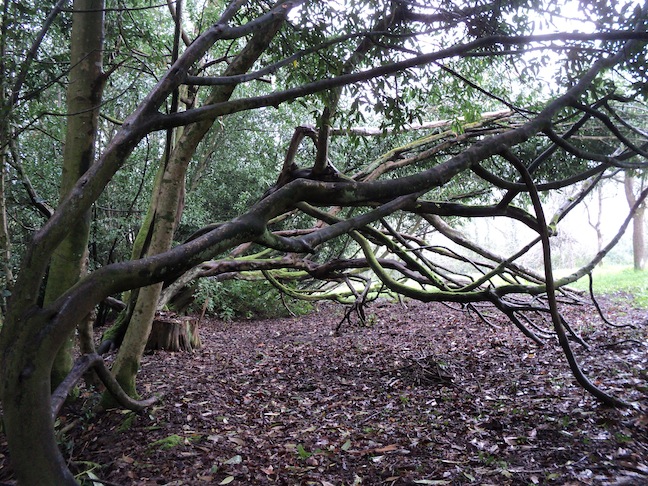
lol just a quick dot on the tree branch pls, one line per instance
(82, 365)
(551, 296)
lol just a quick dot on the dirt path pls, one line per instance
(427, 395)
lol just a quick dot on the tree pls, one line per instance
(594, 217)
(85, 88)
(17, 54)
(638, 240)
(167, 207)
(394, 58)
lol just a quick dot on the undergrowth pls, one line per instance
(243, 299)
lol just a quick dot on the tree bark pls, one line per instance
(6, 280)
(174, 333)
(29, 381)
(165, 214)
(84, 93)
(35, 461)
(638, 240)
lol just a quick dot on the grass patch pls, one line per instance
(620, 283)
(168, 442)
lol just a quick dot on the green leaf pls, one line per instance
(227, 480)
(303, 453)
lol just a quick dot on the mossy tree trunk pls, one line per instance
(33, 448)
(39, 462)
(84, 93)
(164, 214)
(6, 279)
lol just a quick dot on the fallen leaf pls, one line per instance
(234, 460)
(127, 460)
(236, 440)
(390, 447)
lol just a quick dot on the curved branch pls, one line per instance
(551, 295)
(613, 161)
(161, 122)
(455, 209)
(96, 362)
(610, 126)
(517, 187)
(598, 307)
(31, 55)
(118, 393)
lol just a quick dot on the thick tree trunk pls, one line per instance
(28, 423)
(30, 360)
(638, 240)
(26, 399)
(83, 99)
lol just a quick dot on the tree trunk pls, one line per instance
(28, 423)
(29, 360)
(165, 212)
(6, 278)
(5, 242)
(83, 100)
(26, 360)
(595, 220)
(638, 241)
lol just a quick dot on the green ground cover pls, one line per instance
(619, 282)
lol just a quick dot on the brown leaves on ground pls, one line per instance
(426, 395)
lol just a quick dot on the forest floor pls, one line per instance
(425, 395)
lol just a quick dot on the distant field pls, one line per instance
(621, 282)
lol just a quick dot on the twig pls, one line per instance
(471, 307)
(618, 343)
(598, 307)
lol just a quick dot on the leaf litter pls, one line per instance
(426, 395)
